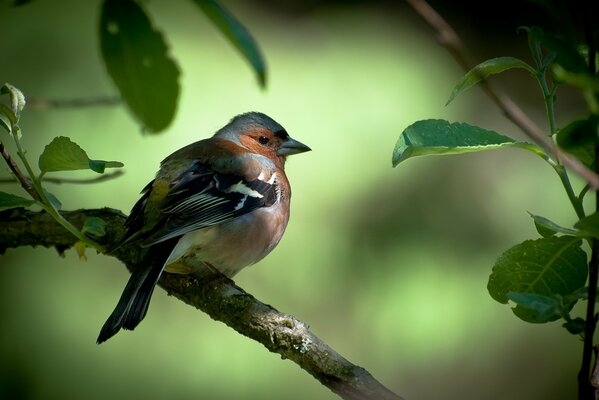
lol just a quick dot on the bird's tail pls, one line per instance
(133, 304)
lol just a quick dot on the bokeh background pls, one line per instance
(389, 266)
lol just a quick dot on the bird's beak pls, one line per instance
(291, 146)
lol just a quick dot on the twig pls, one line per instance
(23, 180)
(586, 390)
(220, 298)
(39, 103)
(448, 38)
(101, 178)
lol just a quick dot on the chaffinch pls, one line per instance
(219, 204)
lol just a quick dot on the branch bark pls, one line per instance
(220, 298)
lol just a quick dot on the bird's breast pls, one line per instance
(230, 246)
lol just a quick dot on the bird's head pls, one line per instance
(261, 134)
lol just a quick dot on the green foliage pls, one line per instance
(436, 136)
(485, 69)
(545, 277)
(237, 34)
(578, 138)
(136, 58)
(589, 225)
(60, 155)
(8, 201)
(94, 226)
(64, 155)
(547, 228)
(543, 269)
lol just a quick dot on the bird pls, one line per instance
(215, 206)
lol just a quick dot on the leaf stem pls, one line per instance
(39, 194)
(548, 97)
(576, 201)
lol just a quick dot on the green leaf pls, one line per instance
(53, 200)
(565, 51)
(8, 201)
(436, 136)
(581, 79)
(7, 118)
(136, 57)
(534, 307)
(578, 138)
(575, 326)
(589, 225)
(486, 68)
(552, 266)
(17, 99)
(237, 34)
(94, 226)
(64, 155)
(547, 228)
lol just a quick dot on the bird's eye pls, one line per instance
(263, 140)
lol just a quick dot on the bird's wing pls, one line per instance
(201, 197)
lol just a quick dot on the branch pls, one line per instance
(39, 103)
(25, 182)
(448, 38)
(58, 181)
(220, 298)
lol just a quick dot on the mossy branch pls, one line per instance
(220, 298)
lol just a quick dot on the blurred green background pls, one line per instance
(388, 266)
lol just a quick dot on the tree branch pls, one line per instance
(448, 38)
(220, 298)
(25, 182)
(39, 103)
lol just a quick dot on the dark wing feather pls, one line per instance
(201, 197)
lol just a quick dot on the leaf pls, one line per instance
(552, 266)
(436, 136)
(94, 226)
(534, 307)
(7, 118)
(136, 57)
(578, 138)
(237, 34)
(53, 200)
(8, 201)
(486, 68)
(589, 225)
(582, 79)
(575, 326)
(547, 228)
(565, 51)
(64, 155)
(17, 98)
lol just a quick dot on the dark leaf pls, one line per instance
(8, 201)
(237, 34)
(136, 57)
(551, 267)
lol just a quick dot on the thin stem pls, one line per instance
(586, 391)
(574, 200)
(86, 181)
(39, 194)
(38, 103)
(548, 96)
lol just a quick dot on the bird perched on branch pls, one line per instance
(216, 205)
